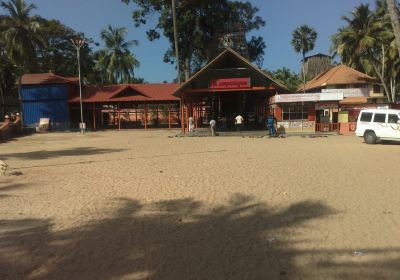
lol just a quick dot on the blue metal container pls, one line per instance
(45, 101)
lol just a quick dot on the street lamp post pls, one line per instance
(78, 44)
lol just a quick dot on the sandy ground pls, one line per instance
(141, 205)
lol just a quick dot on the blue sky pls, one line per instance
(281, 16)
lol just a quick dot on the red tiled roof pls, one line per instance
(126, 93)
(47, 78)
(339, 75)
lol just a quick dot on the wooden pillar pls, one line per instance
(119, 116)
(182, 114)
(187, 107)
(196, 111)
(145, 115)
(136, 112)
(94, 116)
(169, 116)
(102, 117)
(114, 116)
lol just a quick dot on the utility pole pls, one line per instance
(78, 44)
(176, 40)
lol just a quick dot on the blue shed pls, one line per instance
(46, 96)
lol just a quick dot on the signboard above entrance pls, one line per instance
(306, 97)
(232, 83)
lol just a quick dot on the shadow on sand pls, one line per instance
(178, 239)
(105, 160)
(39, 155)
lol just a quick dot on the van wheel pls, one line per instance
(370, 137)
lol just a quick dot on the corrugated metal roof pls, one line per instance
(339, 75)
(47, 78)
(127, 93)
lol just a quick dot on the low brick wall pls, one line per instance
(9, 130)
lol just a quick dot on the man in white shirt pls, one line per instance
(239, 122)
(191, 124)
(213, 125)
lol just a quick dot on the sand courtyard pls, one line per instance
(143, 205)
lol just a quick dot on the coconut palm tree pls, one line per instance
(367, 44)
(303, 41)
(116, 62)
(289, 78)
(21, 36)
(7, 79)
(356, 41)
(395, 19)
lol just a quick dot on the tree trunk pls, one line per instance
(2, 103)
(304, 72)
(187, 69)
(20, 98)
(394, 17)
(378, 73)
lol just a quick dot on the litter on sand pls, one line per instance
(359, 253)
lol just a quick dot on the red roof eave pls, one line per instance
(108, 94)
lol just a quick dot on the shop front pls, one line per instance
(295, 117)
(306, 112)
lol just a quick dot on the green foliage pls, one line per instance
(304, 38)
(35, 44)
(20, 34)
(367, 42)
(7, 79)
(198, 24)
(289, 78)
(59, 55)
(136, 80)
(115, 62)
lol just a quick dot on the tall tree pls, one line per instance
(395, 19)
(303, 41)
(199, 24)
(116, 61)
(21, 35)
(289, 78)
(58, 54)
(367, 44)
(7, 80)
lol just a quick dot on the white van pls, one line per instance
(378, 124)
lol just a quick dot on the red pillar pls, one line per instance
(169, 116)
(182, 114)
(145, 115)
(157, 115)
(119, 117)
(94, 116)
(187, 115)
(102, 117)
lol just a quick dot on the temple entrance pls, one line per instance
(229, 85)
(247, 104)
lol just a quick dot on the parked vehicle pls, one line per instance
(379, 125)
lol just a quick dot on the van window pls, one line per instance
(393, 118)
(366, 117)
(379, 118)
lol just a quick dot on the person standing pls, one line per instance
(239, 123)
(191, 124)
(213, 125)
(271, 125)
